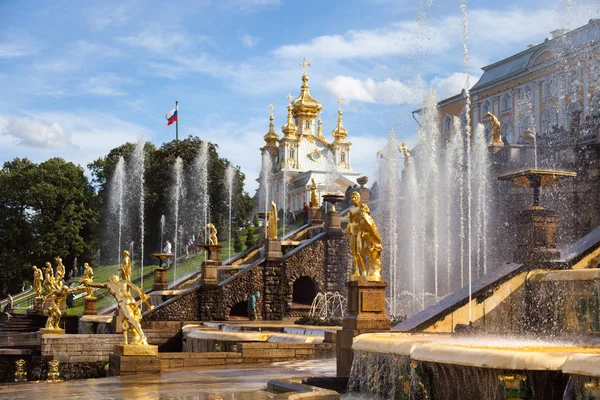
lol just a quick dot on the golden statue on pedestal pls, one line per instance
(60, 270)
(272, 221)
(128, 307)
(496, 138)
(88, 275)
(125, 266)
(48, 283)
(57, 295)
(37, 281)
(365, 241)
(313, 194)
(212, 238)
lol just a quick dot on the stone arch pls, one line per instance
(240, 287)
(239, 309)
(304, 290)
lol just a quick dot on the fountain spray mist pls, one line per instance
(116, 197)
(199, 188)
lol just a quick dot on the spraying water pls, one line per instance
(229, 175)
(138, 162)
(199, 188)
(162, 231)
(267, 177)
(116, 194)
(177, 195)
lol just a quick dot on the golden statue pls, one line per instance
(48, 278)
(60, 269)
(365, 241)
(212, 238)
(313, 194)
(273, 221)
(496, 138)
(88, 276)
(37, 281)
(128, 307)
(57, 295)
(404, 149)
(125, 266)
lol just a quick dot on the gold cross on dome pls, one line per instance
(289, 97)
(271, 106)
(304, 64)
(340, 101)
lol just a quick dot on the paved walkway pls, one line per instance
(244, 382)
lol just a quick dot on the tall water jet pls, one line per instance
(229, 175)
(116, 198)
(177, 195)
(388, 215)
(199, 191)
(266, 178)
(284, 201)
(162, 231)
(138, 167)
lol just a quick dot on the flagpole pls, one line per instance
(177, 122)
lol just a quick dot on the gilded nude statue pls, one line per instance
(212, 238)
(365, 241)
(273, 221)
(125, 266)
(496, 138)
(37, 281)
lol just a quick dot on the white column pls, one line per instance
(586, 90)
(537, 107)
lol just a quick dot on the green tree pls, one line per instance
(237, 242)
(249, 238)
(46, 210)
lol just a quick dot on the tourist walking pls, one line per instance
(305, 210)
(252, 305)
(9, 307)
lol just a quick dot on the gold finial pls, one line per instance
(320, 128)
(271, 107)
(289, 97)
(304, 64)
(340, 101)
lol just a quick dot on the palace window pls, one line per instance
(506, 103)
(307, 124)
(291, 152)
(447, 123)
(485, 109)
(343, 157)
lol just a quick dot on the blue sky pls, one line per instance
(77, 81)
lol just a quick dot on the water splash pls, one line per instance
(266, 179)
(199, 192)
(116, 199)
(162, 231)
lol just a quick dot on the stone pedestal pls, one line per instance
(273, 248)
(315, 216)
(210, 273)
(48, 331)
(333, 224)
(160, 279)
(133, 360)
(38, 306)
(366, 314)
(536, 236)
(213, 252)
(89, 305)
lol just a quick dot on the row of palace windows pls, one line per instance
(342, 154)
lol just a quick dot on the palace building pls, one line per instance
(304, 153)
(545, 88)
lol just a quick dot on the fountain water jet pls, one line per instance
(138, 163)
(177, 196)
(229, 175)
(116, 197)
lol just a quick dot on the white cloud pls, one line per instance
(388, 91)
(106, 84)
(252, 5)
(161, 42)
(249, 41)
(110, 16)
(393, 40)
(11, 50)
(80, 137)
(35, 133)
(452, 84)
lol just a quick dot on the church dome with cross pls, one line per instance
(303, 153)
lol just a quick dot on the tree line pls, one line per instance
(53, 209)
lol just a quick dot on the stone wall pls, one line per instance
(338, 264)
(184, 307)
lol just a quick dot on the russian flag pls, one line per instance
(171, 116)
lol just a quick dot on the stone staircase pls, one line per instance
(21, 323)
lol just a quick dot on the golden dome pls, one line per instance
(271, 138)
(306, 105)
(290, 129)
(339, 133)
